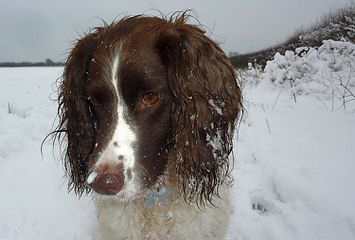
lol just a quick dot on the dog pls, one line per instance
(148, 107)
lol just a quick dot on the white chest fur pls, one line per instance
(178, 220)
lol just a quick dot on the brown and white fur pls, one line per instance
(148, 108)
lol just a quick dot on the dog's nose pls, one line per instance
(106, 179)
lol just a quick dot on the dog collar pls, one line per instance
(160, 195)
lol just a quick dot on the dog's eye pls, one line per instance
(92, 113)
(150, 99)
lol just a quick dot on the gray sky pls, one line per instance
(34, 30)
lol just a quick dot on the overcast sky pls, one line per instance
(34, 30)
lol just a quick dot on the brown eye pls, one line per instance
(150, 99)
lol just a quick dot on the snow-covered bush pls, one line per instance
(327, 72)
(251, 75)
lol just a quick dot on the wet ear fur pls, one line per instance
(75, 117)
(207, 103)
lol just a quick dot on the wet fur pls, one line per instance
(205, 105)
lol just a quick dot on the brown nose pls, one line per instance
(107, 179)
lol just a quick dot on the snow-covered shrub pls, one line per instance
(327, 72)
(251, 75)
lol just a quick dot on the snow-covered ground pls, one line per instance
(34, 203)
(295, 149)
(294, 169)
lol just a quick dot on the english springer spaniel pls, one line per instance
(148, 108)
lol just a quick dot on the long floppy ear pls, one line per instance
(207, 103)
(76, 117)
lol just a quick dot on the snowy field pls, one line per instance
(294, 169)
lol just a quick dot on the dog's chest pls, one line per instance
(159, 221)
(172, 221)
(139, 222)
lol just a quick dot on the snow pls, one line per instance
(294, 160)
(91, 177)
(34, 203)
(326, 73)
(300, 174)
(218, 110)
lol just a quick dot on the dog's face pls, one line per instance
(129, 103)
(143, 95)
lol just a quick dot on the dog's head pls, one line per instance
(144, 93)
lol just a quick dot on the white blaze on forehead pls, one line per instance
(114, 70)
(120, 147)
